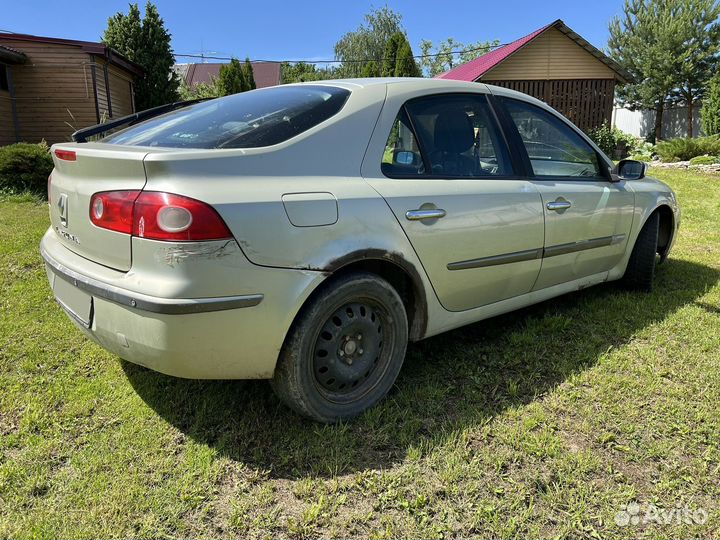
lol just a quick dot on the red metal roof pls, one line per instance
(265, 73)
(473, 70)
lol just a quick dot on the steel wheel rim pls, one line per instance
(351, 350)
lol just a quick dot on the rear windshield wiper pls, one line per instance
(82, 135)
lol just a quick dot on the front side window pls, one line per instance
(245, 120)
(447, 136)
(553, 147)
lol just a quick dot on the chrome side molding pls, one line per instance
(537, 253)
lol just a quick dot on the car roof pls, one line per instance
(410, 81)
(421, 83)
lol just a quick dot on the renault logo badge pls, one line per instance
(63, 208)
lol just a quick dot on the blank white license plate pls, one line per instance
(76, 302)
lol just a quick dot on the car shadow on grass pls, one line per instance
(450, 382)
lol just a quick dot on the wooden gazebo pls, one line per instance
(556, 65)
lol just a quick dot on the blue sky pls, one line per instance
(282, 30)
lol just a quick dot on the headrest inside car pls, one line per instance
(453, 132)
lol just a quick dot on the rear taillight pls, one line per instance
(66, 155)
(114, 210)
(157, 216)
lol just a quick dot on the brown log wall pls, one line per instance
(587, 103)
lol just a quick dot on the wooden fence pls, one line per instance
(587, 103)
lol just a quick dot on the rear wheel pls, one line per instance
(345, 350)
(641, 266)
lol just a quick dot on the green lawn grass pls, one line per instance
(540, 423)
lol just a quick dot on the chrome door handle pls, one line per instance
(558, 205)
(417, 215)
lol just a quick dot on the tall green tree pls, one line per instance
(450, 53)
(405, 65)
(662, 43)
(698, 45)
(368, 42)
(398, 59)
(370, 69)
(146, 42)
(231, 79)
(389, 62)
(304, 71)
(249, 74)
(199, 90)
(711, 108)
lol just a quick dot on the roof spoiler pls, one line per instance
(82, 135)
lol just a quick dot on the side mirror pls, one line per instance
(630, 169)
(405, 157)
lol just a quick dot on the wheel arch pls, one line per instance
(396, 270)
(666, 230)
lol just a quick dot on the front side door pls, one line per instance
(587, 217)
(448, 177)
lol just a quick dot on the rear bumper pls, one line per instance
(145, 302)
(237, 336)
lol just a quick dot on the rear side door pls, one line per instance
(587, 216)
(446, 173)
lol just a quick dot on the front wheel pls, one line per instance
(641, 266)
(345, 349)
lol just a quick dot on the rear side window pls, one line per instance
(245, 120)
(455, 136)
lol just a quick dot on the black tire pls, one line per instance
(640, 270)
(345, 349)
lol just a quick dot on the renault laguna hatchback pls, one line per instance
(304, 233)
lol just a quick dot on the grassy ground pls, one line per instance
(545, 422)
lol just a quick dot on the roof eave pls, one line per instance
(89, 47)
(9, 56)
(621, 74)
(114, 57)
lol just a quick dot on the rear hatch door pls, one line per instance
(96, 167)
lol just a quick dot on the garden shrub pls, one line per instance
(683, 149)
(25, 167)
(644, 152)
(608, 139)
(705, 160)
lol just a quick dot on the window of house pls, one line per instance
(553, 147)
(4, 83)
(457, 136)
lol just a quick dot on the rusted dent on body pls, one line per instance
(418, 324)
(180, 253)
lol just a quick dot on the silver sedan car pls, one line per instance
(304, 233)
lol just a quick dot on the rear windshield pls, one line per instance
(245, 120)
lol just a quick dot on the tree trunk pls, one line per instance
(657, 135)
(689, 102)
